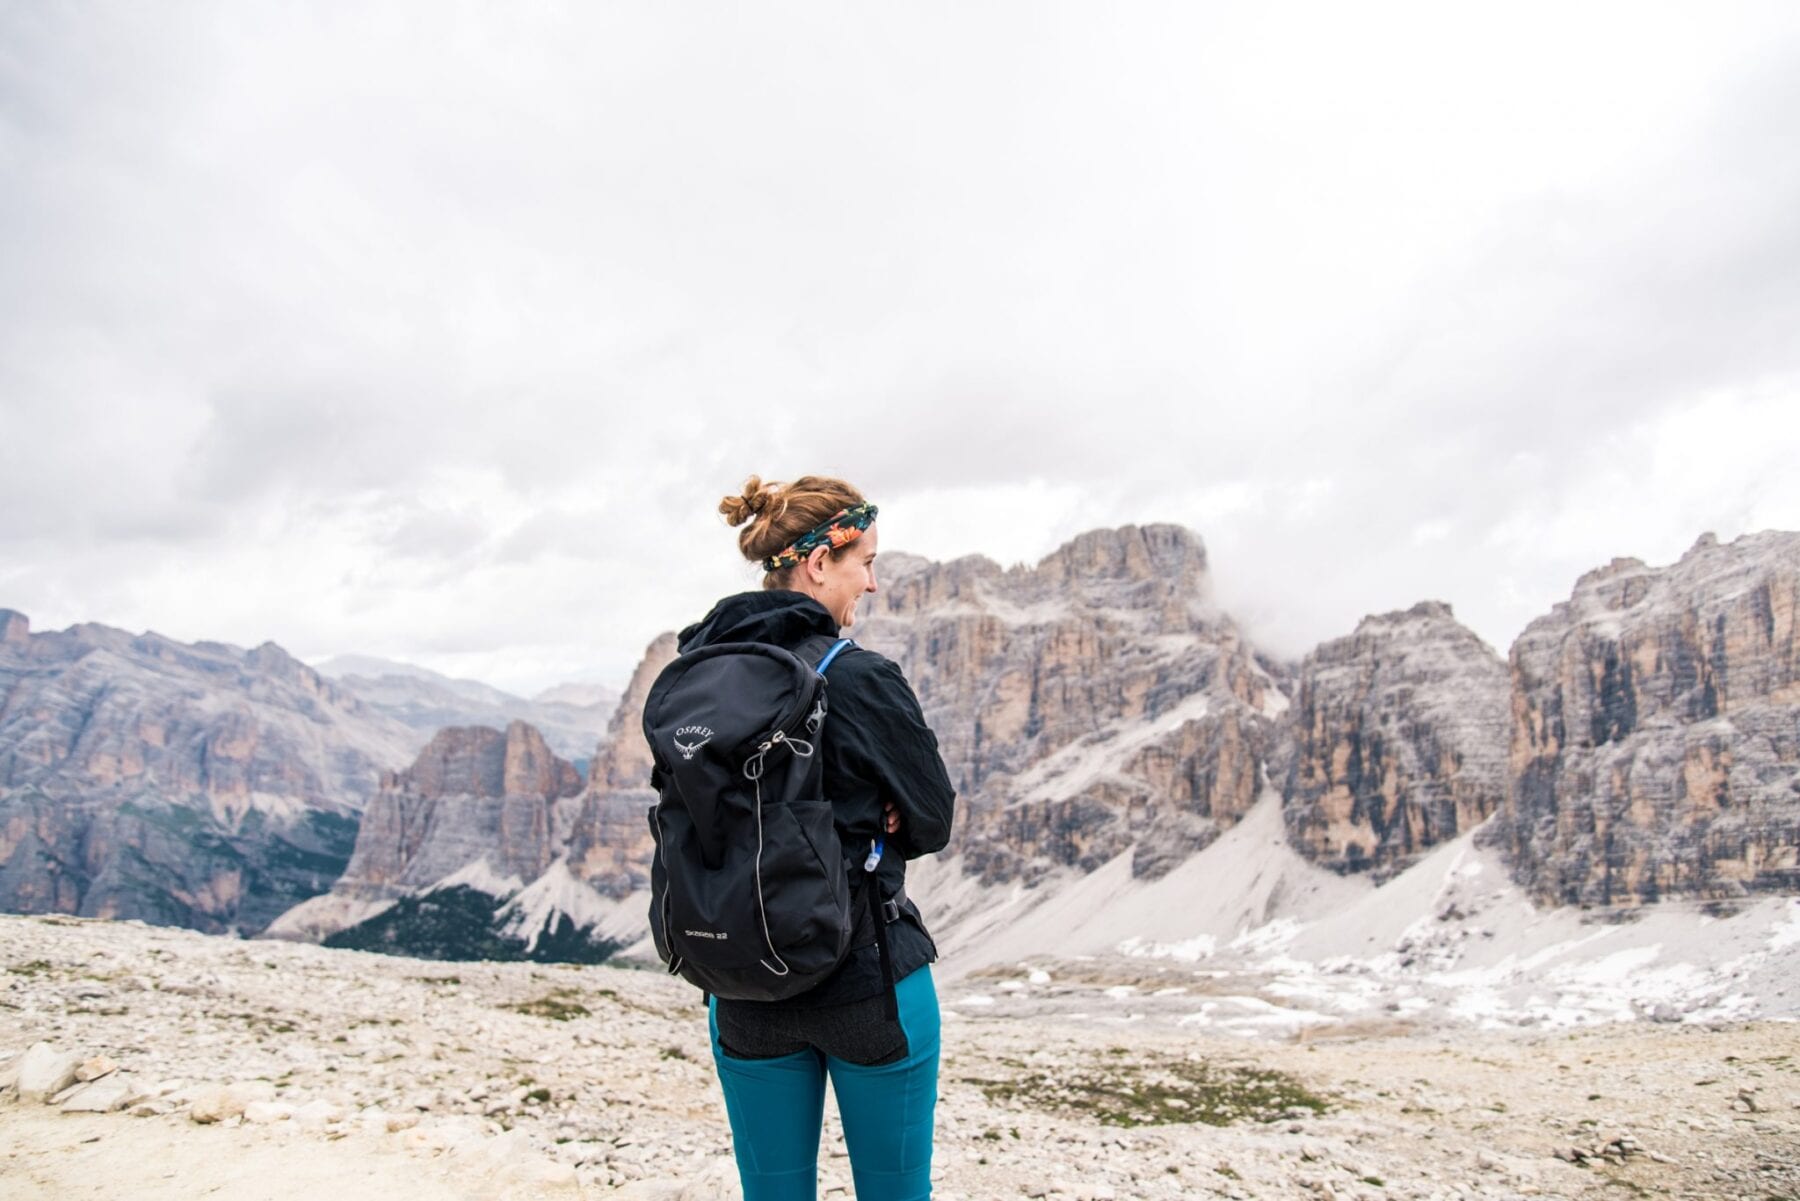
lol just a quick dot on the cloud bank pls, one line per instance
(437, 332)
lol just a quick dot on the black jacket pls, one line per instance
(877, 748)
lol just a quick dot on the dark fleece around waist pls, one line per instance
(859, 1032)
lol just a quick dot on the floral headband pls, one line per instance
(841, 530)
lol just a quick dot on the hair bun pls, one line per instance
(755, 499)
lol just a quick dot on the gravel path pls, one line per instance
(270, 1070)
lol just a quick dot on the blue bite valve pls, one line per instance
(875, 849)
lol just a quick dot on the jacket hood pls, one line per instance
(769, 615)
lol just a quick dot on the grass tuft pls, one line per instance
(1128, 1094)
(557, 1005)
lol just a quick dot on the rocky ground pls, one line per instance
(150, 1064)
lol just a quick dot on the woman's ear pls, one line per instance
(815, 564)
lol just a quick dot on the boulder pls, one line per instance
(44, 1071)
(115, 1091)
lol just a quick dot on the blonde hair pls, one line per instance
(778, 514)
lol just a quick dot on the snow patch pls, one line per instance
(481, 876)
(1788, 935)
(556, 893)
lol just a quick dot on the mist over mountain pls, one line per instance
(570, 716)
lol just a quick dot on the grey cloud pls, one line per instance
(293, 268)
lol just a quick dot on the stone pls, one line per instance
(223, 1102)
(93, 1069)
(113, 1092)
(44, 1071)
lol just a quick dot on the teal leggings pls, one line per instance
(777, 1108)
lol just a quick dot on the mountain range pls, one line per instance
(1097, 710)
(570, 716)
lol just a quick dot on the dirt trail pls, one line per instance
(502, 1082)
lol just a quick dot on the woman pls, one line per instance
(816, 541)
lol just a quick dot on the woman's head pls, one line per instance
(815, 535)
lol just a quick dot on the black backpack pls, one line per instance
(749, 890)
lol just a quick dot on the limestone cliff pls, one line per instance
(1094, 704)
(477, 809)
(1397, 741)
(197, 785)
(609, 844)
(1655, 746)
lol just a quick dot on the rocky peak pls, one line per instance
(476, 808)
(271, 660)
(1167, 554)
(427, 701)
(608, 842)
(1431, 610)
(458, 761)
(623, 758)
(1653, 748)
(15, 627)
(532, 767)
(146, 778)
(1398, 734)
(475, 761)
(1087, 706)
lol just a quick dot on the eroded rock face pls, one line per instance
(474, 795)
(1094, 704)
(195, 785)
(458, 858)
(1656, 730)
(1398, 741)
(609, 843)
(499, 835)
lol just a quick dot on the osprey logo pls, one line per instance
(687, 749)
(715, 934)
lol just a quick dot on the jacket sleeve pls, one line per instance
(897, 752)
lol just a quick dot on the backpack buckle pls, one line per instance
(890, 911)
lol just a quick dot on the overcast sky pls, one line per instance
(436, 331)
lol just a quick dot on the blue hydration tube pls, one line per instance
(875, 849)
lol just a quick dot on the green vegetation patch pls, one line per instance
(459, 923)
(35, 967)
(1156, 1094)
(558, 1006)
